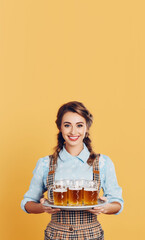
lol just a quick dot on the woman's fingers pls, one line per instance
(103, 198)
(51, 210)
(48, 209)
(55, 211)
(94, 212)
(97, 210)
(42, 200)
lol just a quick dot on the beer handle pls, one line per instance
(50, 199)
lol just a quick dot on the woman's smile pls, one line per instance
(73, 138)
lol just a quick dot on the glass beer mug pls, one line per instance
(82, 183)
(91, 193)
(68, 183)
(59, 196)
(75, 193)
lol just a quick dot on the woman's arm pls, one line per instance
(31, 202)
(36, 188)
(33, 207)
(112, 191)
(109, 208)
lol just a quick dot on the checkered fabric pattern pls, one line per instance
(75, 225)
(51, 174)
(92, 231)
(96, 172)
(74, 217)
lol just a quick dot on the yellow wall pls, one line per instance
(52, 52)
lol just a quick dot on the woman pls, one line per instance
(74, 158)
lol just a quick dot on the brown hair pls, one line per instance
(76, 107)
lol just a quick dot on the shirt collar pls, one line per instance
(83, 156)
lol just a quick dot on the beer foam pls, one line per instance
(90, 189)
(76, 189)
(60, 190)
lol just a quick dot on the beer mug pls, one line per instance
(82, 183)
(75, 193)
(91, 193)
(68, 183)
(59, 196)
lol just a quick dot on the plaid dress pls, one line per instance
(74, 225)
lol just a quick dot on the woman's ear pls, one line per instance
(87, 134)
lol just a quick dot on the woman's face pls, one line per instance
(73, 128)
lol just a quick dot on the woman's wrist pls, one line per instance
(112, 208)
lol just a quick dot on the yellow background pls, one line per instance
(52, 52)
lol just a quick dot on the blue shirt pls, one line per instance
(74, 167)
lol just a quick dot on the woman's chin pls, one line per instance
(74, 143)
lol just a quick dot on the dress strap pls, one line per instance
(96, 171)
(51, 174)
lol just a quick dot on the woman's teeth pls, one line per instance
(73, 138)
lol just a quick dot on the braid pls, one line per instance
(93, 155)
(57, 149)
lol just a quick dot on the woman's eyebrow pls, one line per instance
(76, 123)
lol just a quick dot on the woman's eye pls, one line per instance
(79, 125)
(66, 125)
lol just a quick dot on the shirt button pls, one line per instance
(71, 228)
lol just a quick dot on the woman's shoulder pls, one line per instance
(104, 161)
(42, 163)
(104, 157)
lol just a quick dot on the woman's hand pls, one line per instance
(49, 209)
(101, 209)
(108, 208)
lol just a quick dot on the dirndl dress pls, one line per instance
(74, 225)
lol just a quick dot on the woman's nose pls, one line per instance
(73, 130)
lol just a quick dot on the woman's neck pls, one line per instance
(74, 150)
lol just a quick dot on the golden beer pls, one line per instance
(60, 196)
(90, 196)
(83, 195)
(75, 196)
(67, 194)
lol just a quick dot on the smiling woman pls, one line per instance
(74, 159)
